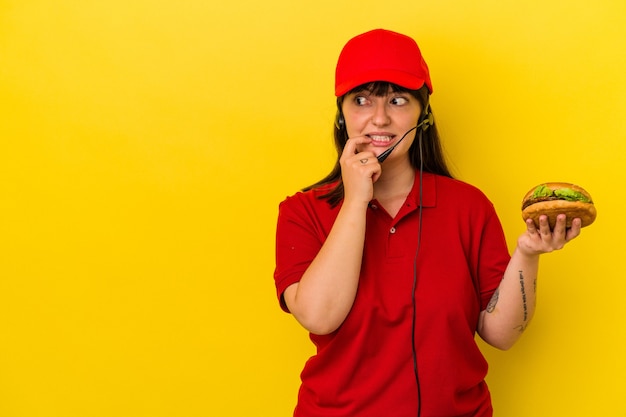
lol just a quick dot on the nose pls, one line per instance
(380, 117)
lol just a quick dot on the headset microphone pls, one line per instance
(385, 154)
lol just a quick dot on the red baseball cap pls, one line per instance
(381, 55)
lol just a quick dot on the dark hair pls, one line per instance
(432, 151)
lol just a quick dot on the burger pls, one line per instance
(554, 198)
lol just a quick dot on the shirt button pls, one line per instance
(392, 230)
(374, 206)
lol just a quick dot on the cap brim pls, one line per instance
(400, 78)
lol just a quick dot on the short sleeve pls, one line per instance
(493, 258)
(302, 227)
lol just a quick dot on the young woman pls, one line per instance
(391, 264)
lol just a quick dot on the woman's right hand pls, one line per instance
(359, 170)
(323, 297)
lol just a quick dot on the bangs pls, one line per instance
(380, 88)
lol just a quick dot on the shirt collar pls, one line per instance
(429, 193)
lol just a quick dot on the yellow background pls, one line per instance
(145, 146)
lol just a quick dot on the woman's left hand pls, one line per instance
(542, 239)
(501, 325)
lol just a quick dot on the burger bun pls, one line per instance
(585, 211)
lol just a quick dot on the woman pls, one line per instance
(391, 264)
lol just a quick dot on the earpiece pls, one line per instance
(426, 119)
(339, 121)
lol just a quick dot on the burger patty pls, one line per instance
(532, 201)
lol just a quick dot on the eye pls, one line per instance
(399, 101)
(360, 100)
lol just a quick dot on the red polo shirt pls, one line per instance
(365, 368)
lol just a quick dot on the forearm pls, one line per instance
(513, 304)
(323, 297)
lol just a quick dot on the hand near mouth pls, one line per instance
(359, 170)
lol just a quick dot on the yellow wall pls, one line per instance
(145, 145)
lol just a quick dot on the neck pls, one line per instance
(395, 181)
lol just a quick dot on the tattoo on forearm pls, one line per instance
(494, 300)
(523, 289)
